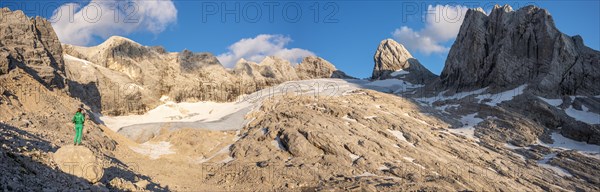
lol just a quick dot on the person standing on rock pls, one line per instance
(78, 119)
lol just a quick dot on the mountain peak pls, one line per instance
(393, 46)
(118, 40)
(391, 56)
(505, 8)
(509, 48)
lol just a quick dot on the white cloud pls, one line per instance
(257, 48)
(442, 24)
(79, 25)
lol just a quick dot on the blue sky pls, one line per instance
(346, 33)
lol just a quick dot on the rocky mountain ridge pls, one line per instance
(124, 77)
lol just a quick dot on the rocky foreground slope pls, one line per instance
(364, 140)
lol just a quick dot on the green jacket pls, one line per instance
(78, 119)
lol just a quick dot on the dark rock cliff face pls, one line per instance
(391, 57)
(509, 48)
(190, 61)
(31, 44)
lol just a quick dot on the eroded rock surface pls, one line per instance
(30, 44)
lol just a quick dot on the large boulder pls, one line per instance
(392, 60)
(79, 161)
(510, 48)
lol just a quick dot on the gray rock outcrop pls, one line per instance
(190, 61)
(30, 44)
(509, 48)
(391, 57)
(316, 67)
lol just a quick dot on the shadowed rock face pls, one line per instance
(392, 56)
(30, 44)
(510, 48)
(190, 61)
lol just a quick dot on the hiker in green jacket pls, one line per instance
(78, 119)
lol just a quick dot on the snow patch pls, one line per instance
(468, 128)
(353, 157)
(70, 57)
(457, 96)
(164, 98)
(399, 72)
(154, 150)
(584, 116)
(347, 118)
(366, 174)
(553, 102)
(400, 136)
(394, 84)
(514, 148)
(409, 159)
(560, 171)
(561, 142)
(503, 96)
(444, 107)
